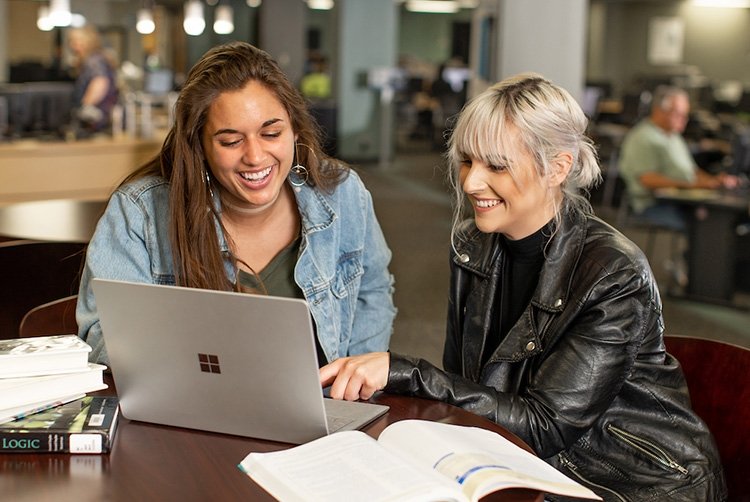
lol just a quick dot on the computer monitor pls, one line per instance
(740, 157)
(456, 77)
(590, 101)
(158, 82)
(38, 108)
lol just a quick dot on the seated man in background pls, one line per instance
(655, 155)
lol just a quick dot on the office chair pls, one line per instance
(719, 383)
(57, 317)
(616, 195)
(34, 273)
(626, 217)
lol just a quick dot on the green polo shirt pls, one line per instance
(648, 148)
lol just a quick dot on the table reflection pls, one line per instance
(51, 220)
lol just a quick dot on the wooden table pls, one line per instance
(84, 169)
(64, 220)
(154, 462)
(713, 216)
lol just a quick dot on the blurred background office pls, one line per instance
(384, 78)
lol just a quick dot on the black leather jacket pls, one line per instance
(583, 376)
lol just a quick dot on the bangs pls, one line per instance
(485, 132)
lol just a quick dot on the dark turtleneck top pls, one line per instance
(522, 263)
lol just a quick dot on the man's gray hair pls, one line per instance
(664, 95)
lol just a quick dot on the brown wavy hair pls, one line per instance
(198, 261)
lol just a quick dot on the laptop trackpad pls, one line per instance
(350, 415)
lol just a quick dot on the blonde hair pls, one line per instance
(89, 37)
(527, 112)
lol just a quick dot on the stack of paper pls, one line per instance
(41, 372)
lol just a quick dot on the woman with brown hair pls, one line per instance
(242, 198)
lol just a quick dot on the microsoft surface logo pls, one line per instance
(209, 363)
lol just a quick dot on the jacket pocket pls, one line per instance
(647, 448)
(586, 482)
(348, 270)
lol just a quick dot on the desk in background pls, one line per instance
(154, 462)
(713, 216)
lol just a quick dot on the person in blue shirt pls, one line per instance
(242, 198)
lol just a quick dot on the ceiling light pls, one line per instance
(43, 22)
(432, 6)
(253, 3)
(145, 22)
(224, 19)
(722, 3)
(77, 20)
(194, 22)
(59, 12)
(320, 4)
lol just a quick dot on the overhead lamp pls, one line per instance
(224, 19)
(320, 4)
(144, 23)
(59, 12)
(43, 21)
(195, 21)
(253, 3)
(730, 4)
(432, 6)
(77, 20)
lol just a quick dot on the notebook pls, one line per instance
(219, 361)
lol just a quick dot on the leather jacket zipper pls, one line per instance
(648, 448)
(574, 469)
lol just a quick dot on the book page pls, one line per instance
(480, 461)
(345, 466)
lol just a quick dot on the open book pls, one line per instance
(413, 460)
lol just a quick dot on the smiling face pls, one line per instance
(514, 205)
(249, 145)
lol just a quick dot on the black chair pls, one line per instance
(719, 384)
(34, 273)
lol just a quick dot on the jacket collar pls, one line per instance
(561, 258)
(315, 212)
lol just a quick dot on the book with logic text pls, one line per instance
(86, 425)
(412, 460)
(42, 355)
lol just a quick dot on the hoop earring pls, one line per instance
(207, 181)
(300, 172)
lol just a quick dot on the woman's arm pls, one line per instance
(567, 387)
(375, 312)
(117, 250)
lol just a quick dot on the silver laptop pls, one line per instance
(219, 361)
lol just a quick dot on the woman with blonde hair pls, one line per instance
(96, 91)
(242, 198)
(555, 328)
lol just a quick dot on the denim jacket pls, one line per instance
(342, 268)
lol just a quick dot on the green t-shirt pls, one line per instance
(278, 280)
(277, 277)
(648, 148)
